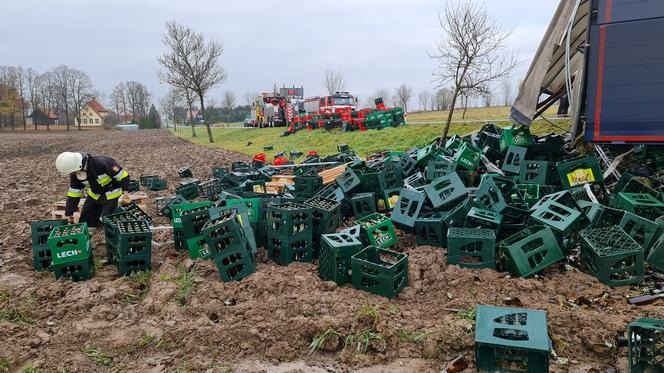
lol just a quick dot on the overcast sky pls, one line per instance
(374, 43)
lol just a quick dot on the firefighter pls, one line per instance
(104, 180)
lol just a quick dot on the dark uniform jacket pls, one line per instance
(106, 181)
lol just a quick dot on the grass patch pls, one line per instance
(98, 356)
(141, 281)
(18, 312)
(467, 315)
(97, 263)
(404, 336)
(5, 364)
(369, 314)
(360, 342)
(184, 280)
(30, 369)
(251, 141)
(320, 339)
(148, 340)
(5, 294)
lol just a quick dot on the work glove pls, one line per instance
(125, 199)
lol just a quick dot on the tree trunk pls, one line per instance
(23, 112)
(67, 114)
(207, 124)
(78, 120)
(191, 123)
(449, 117)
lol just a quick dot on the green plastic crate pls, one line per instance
(253, 206)
(134, 186)
(348, 181)
(656, 256)
(579, 171)
(80, 270)
(145, 180)
(69, 243)
(41, 253)
(335, 253)
(134, 238)
(386, 200)
(562, 219)
(326, 214)
(445, 191)
(192, 221)
(408, 208)
(500, 194)
(306, 186)
(468, 157)
(612, 256)
(471, 248)
(127, 267)
(439, 166)
(513, 159)
(511, 337)
(379, 271)
(289, 219)
(456, 217)
(425, 154)
(166, 210)
(234, 264)
(645, 232)
(453, 143)
(185, 172)
(157, 184)
(363, 204)
(530, 251)
(645, 338)
(643, 205)
(286, 249)
(430, 229)
(188, 191)
(377, 230)
(481, 218)
(71, 252)
(538, 172)
(135, 212)
(515, 137)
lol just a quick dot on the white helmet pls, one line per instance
(68, 163)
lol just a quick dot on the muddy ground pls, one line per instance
(267, 321)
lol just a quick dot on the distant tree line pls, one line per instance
(62, 90)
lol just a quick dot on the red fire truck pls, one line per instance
(339, 102)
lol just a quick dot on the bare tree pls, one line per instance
(169, 105)
(119, 101)
(228, 103)
(189, 99)
(487, 99)
(61, 83)
(471, 53)
(333, 81)
(192, 63)
(507, 91)
(80, 88)
(424, 98)
(403, 95)
(138, 98)
(249, 98)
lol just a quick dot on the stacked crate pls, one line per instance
(289, 233)
(71, 252)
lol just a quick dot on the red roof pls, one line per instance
(96, 106)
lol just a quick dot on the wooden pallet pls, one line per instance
(329, 176)
(61, 215)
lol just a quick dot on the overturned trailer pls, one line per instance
(607, 58)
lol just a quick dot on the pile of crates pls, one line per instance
(508, 200)
(128, 237)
